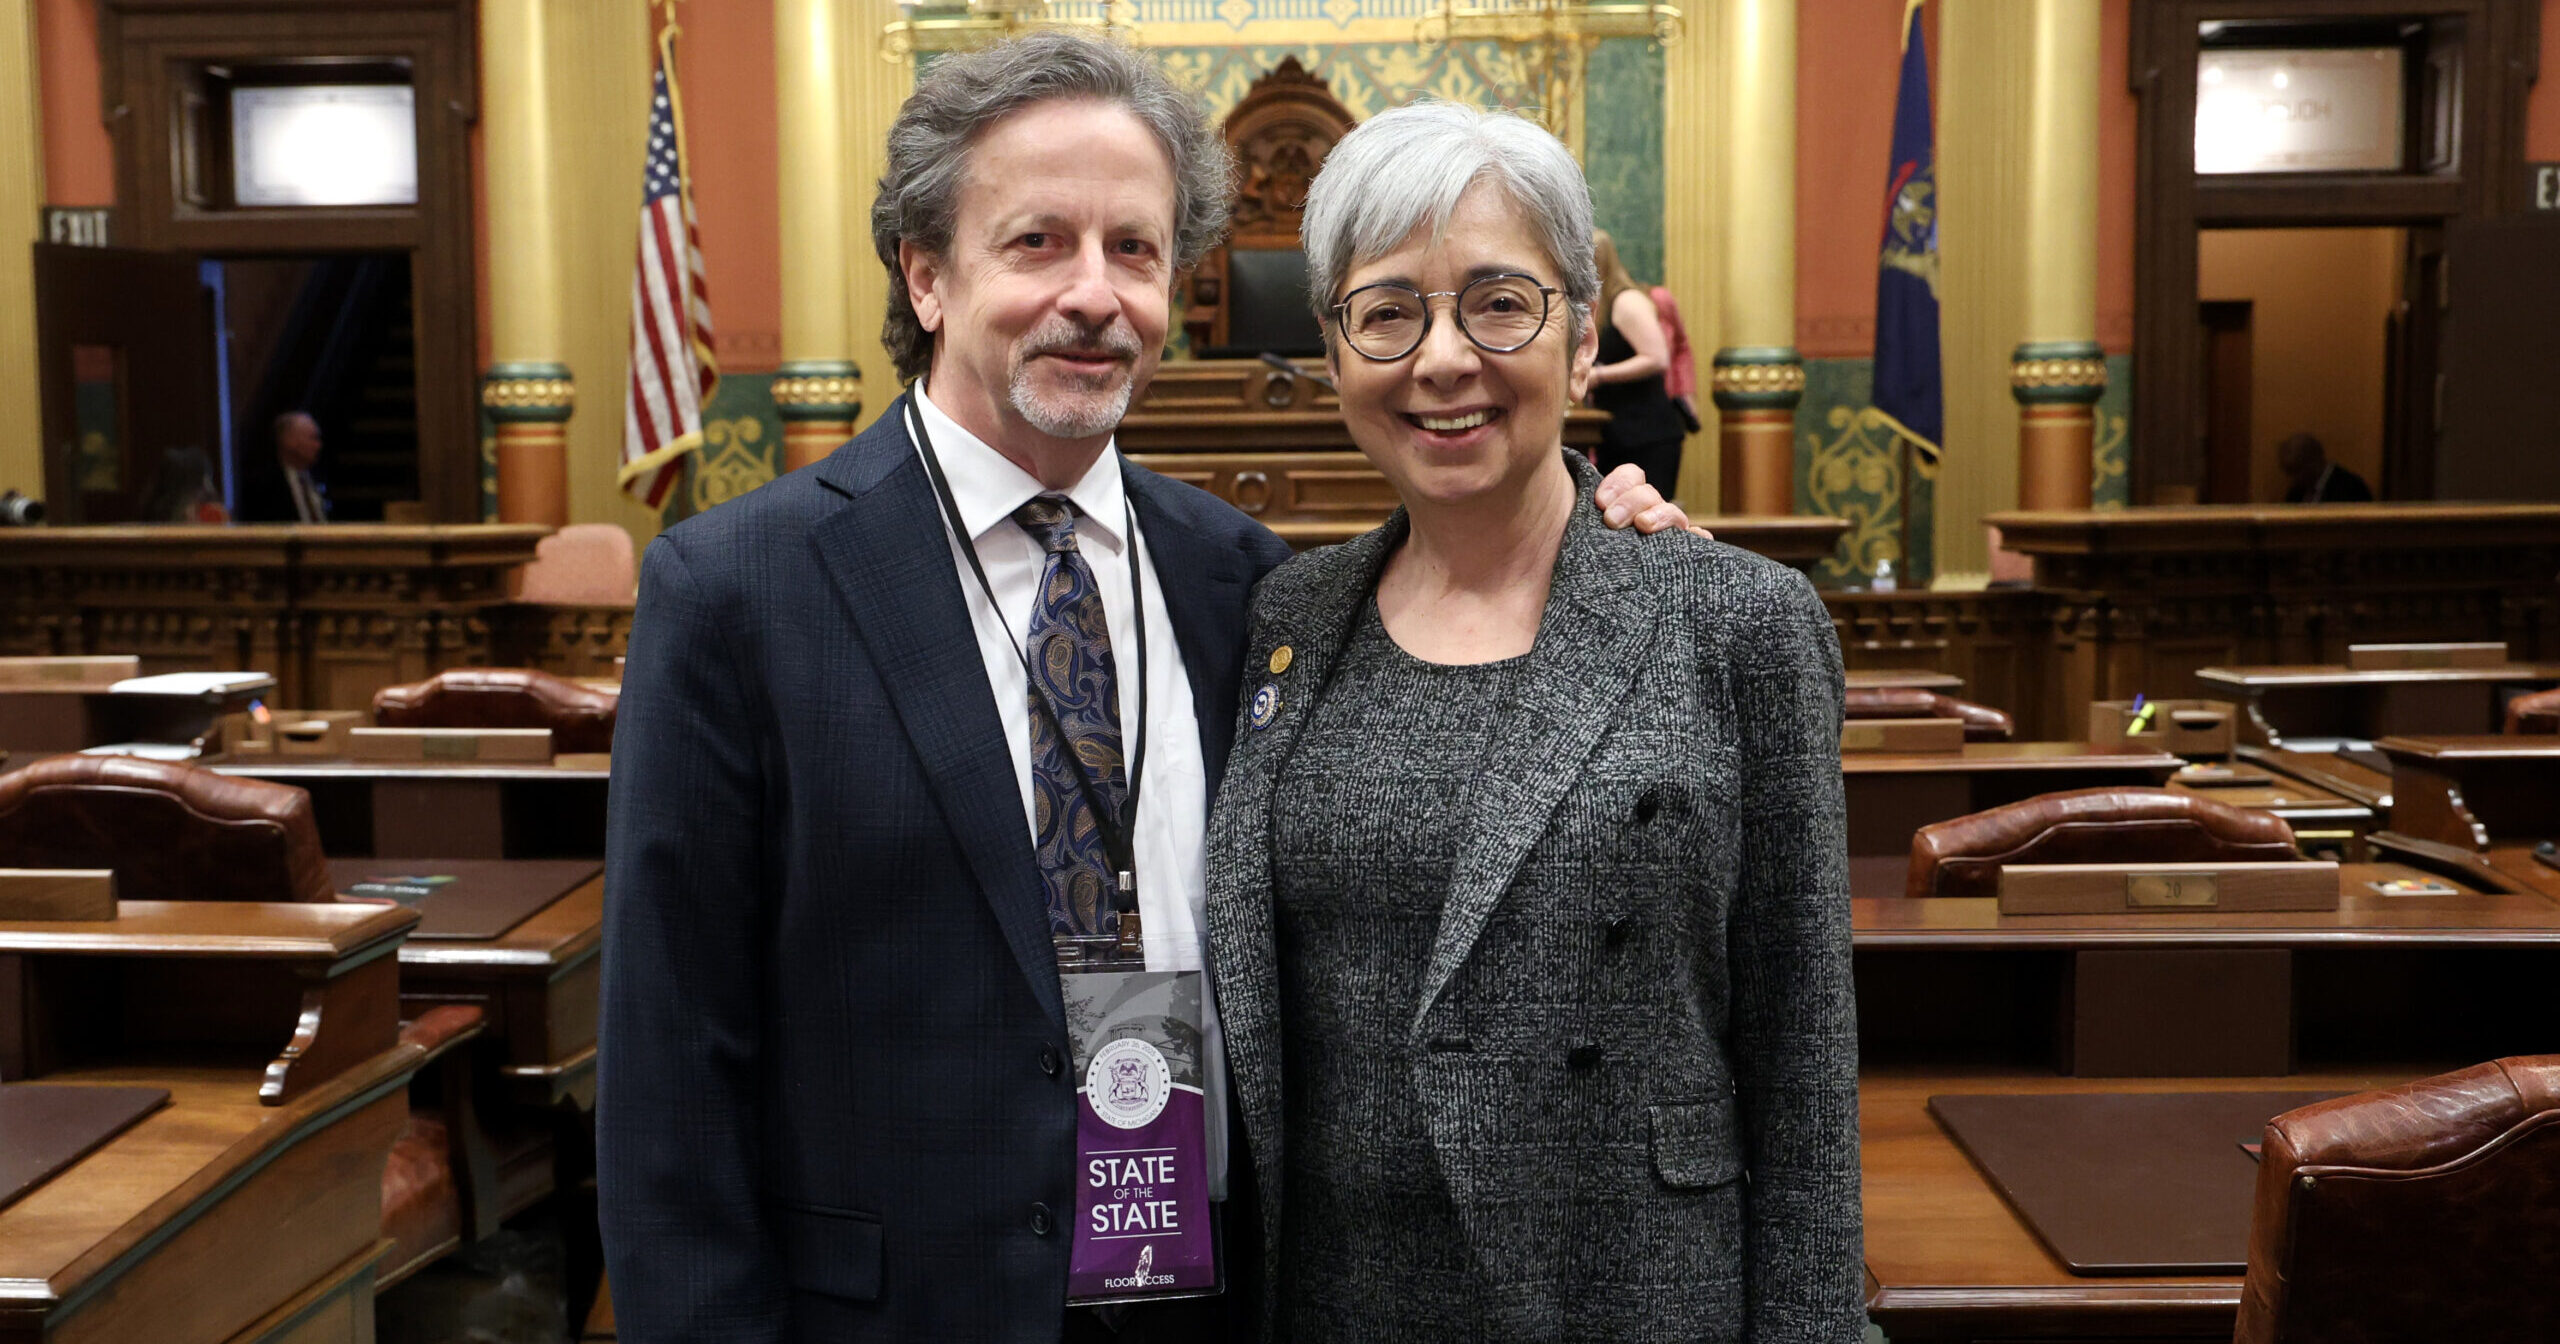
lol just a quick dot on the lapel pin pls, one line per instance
(1280, 659)
(1266, 706)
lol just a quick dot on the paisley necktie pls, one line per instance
(1070, 652)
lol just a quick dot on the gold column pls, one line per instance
(527, 389)
(599, 72)
(1984, 61)
(815, 390)
(2058, 371)
(22, 196)
(1692, 197)
(874, 88)
(1758, 378)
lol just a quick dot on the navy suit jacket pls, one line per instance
(833, 1101)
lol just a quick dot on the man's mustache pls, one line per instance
(1113, 341)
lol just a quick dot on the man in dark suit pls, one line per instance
(2311, 478)
(835, 1101)
(284, 488)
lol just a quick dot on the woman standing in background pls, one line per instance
(1644, 426)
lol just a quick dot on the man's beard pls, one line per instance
(1091, 406)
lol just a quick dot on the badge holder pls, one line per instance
(1143, 1228)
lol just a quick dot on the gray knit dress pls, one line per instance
(1363, 841)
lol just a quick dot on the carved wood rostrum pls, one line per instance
(1281, 131)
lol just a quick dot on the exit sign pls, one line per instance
(78, 225)
(2542, 186)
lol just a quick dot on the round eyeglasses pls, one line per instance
(1500, 313)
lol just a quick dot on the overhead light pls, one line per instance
(324, 144)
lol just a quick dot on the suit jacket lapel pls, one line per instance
(1591, 641)
(890, 558)
(1205, 591)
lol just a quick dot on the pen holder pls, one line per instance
(2180, 727)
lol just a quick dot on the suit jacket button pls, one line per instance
(1583, 1057)
(1040, 1220)
(1620, 928)
(1049, 1060)
(1648, 805)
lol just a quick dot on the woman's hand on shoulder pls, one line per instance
(1626, 499)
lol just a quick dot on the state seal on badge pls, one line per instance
(1128, 1083)
(1266, 705)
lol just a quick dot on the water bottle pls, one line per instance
(1883, 582)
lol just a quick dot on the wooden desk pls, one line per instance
(249, 1208)
(1948, 1260)
(2332, 700)
(2475, 807)
(2339, 774)
(2325, 825)
(1904, 678)
(2470, 918)
(485, 810)
(537, 983)
(2472, 791)
(1892, 795)
(1953, 979)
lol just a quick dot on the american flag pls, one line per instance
(672, 368)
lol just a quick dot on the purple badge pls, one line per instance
(1142, 1177)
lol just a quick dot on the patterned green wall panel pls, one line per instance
(1622, 150)
(2109, 485)
(741, 446)
(1850, 464)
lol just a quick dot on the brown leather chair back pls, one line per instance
(1963, 857)
(170, 832)
(1982, 723)
(580, 717)
(2535, 713)
(2426, 1212)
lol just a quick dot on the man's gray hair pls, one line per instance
(1406, 169)
(961, 96)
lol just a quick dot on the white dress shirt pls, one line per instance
(1171, 839)
(306, 496)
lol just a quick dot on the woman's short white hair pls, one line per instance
(1407, 168)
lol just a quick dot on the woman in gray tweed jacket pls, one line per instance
(1527, 897)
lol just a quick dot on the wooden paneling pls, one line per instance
(334, 612)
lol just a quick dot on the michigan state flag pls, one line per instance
(1907, 388)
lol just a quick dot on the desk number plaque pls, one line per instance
(1142, 1228)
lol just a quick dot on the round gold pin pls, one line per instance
(1280, 659)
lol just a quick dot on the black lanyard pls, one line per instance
(1119, 830)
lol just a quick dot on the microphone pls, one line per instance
(1285, 365)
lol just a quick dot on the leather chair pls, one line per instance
(209, 837)
(2425, 1212)
(580, 717)
(2535, 713)
(1963, 857)
(177, 833)
(1982, 723)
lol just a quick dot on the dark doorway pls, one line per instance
(125, 370)
(2226, 421)
(333, 337)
